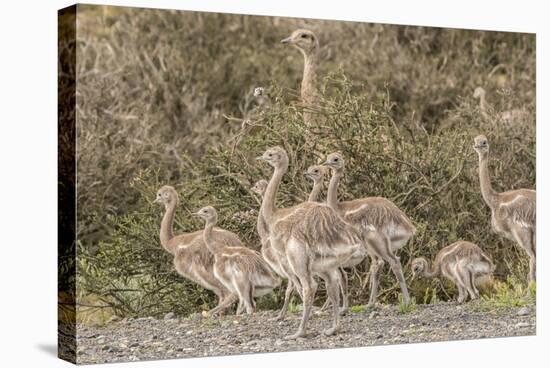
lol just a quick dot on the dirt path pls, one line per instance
(172, 337)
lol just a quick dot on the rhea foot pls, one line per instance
(330, 331)
(298, 334)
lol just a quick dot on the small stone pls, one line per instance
(279, 342)
(190, 332)
(373, 315)
(170, 315)
(110, 349)
(144, 319)
(379, 337)
(522, 325)
(523, 311)
(134, 345)
(253, 342)
(197, 316)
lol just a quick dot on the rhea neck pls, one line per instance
(428, 272)
(483, 106)
(268, 208)
(309, 80)
(166, 226)
(315, 191)
(487, 191)
(261, 226)
(212, 246)
(332, 193)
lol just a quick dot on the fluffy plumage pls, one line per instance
(311, 238)
(389, 227)
(241, 270)
(191, 258)
(513, 213)
(462, 262)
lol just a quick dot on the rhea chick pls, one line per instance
(463, 263)
(239, 269)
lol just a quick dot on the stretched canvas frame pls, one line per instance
(218, 168)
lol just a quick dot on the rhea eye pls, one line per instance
(316, 171)
(304, 35)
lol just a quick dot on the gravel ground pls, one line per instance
(172, 337)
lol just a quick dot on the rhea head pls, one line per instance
(207, 213)
(481, 145)
(479, 92)
(304, 40)
(418, 266)
(315, 173)
(166, 195)
(276, 157)
(259, 187)
(335, 161)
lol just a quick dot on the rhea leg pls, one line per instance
(221, 296)
(309, 288)
(533, 258)
(240, 308)
(467, 280)
(525, 238)
(376, 264)
(343, 287)
(459, 282)
(381, 246)
(461, 293)
(224, 304)
(244, 289)
(333, 281)
(284, 309)
(301, 267)
(470, 270)
(531, 251)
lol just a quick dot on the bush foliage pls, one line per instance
(165, 97)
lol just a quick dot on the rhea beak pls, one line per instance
(157, 200)
(286, 40)
(260, 158)
(195, 214)
(326, 163)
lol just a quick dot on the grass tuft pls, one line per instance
(508, 294)
(403, 308)
(357, 309)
